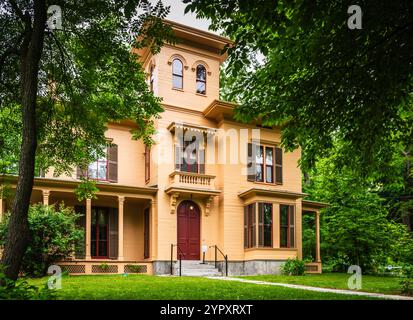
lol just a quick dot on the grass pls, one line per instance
(116, 287)
(376, 284)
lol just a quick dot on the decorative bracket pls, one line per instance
(208, 205)
(174, 198)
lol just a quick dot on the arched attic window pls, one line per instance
(201, 75)
(177, 74)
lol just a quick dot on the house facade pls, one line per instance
(208, 181)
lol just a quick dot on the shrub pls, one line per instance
(22, 290)
(293, 267)
(407, 286)
(54, 235)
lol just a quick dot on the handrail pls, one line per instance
(225, 257)
(179, 257)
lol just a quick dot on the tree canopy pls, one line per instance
(320, 80)
(61, 85)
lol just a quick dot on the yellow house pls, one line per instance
(210, 188)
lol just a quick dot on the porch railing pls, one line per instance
(216, 258)
(179, 255)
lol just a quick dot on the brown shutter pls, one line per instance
(178, 156)
(251, 168)
(246, 227)
(80, 248)
(113, 233)
(260, 224)
(254, 225)
(80, 173)
(202, 161)
(147, 164)
(278, 165)
(113, 163)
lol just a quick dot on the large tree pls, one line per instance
(60, 86)
(319, 79)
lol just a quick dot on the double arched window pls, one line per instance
(201, 79)
(177, 74)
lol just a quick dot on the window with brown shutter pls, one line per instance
(264, 164)
(113, 163)
(147, 164)
(190, 155)
(287, 226)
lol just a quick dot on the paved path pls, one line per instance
(318, 289)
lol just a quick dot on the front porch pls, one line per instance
(119, 225)
(313, 207)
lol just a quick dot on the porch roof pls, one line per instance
(254, 191)
(56, 184)
(310, 204)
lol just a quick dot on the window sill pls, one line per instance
(177, 89)
(269, 249)
(267, 183)
(201, 95)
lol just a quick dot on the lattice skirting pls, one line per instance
(105, 267)
(74, 268)
(131, 268)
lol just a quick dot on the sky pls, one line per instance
(177, 14)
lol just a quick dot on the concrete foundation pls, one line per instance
(235, 268)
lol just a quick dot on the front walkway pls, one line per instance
(317, 289)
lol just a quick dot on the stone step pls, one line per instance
(200, 273)
(202, 266)
(194, 268)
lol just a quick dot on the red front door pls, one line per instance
(189, 230)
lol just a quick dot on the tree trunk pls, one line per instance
(18, 231)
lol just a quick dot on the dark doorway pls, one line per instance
(189, 230)
(146, 233)
(100, 233)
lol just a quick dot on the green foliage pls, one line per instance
(22, 290)
(407, 286)
(356, 227)
(5, 191)
(293, 267)
(135, 268)
(86, 189)
(318, 79)
(88, 76)
(54, 236)
(104, 267)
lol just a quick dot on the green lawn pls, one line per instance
(185, 288)
(387, 285)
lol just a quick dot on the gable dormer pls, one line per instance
(186, 74)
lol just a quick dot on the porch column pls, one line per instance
(317, 232)
(46, 194)
(88, 228)
(120, 225)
